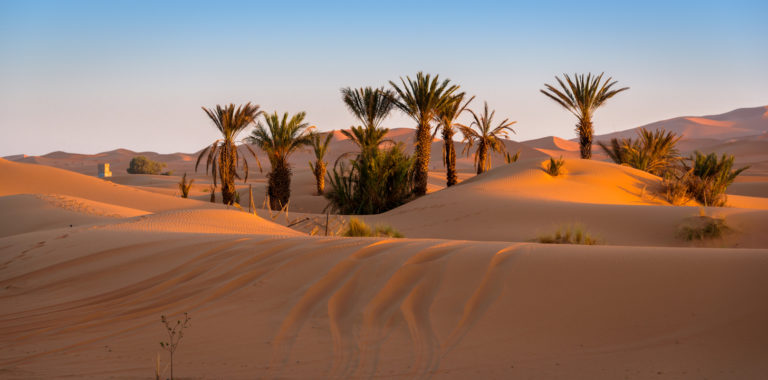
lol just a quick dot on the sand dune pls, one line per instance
(87, 266)
(19, 178)
(737, 123)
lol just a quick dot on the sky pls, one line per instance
(92, 76)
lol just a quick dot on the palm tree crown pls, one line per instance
(281, 136)
(487, 137)
(223, 156)
(421, 99)
(582, 95)
(369, 105)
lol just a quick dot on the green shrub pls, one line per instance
(555, 167)
(711, 177)
(375, 182)
(653, 152)
(143, 165)
(358, 228)
(569, 234)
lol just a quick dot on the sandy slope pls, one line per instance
(87, 303)
(520, 202)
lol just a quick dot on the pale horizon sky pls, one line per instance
(92, 76)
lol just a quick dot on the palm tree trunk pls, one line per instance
(227, 172)
(279, 185)
(423, 150)
(450, 157)
(320, 176)
(585, 138)
(482, 156)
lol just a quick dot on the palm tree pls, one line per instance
(320, 147)
(223, 157)
(487, 137)
(370, 106)
(278, 139)
(447, 119)
(582, 96)
(422, 99)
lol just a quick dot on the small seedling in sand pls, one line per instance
(358, 228)
(509, 158)
(570, 234)
(555, 167)
(703, 227)
(184, 186)
(175, 333)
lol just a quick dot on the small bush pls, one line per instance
(184, 186)
(358, 228)
(143, 165)
(703, 227)
(570, 234)
(676, 187)
(509, 158)
(555, 167)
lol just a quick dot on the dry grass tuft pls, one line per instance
(358, 228)
(569, 234)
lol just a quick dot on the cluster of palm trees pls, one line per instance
(432, 103)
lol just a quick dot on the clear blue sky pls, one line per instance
(86, 77)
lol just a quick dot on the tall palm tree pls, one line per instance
(223, 156)
(487, 137)
(422, 99)
(278, 139)
(582, 96)
(320, 147)
(447, 119)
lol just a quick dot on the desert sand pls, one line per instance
(88, 265)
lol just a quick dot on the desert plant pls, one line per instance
(703, 227)
(509, 158)
(358, 228)
(184, 186)
(569, 234)
(582, 96)
(422, 99)
(223, 157)
(653, 152)
(676, 187)
(710, 177)
(447, 120)
(373, 183)
(143, 165)
(320, 148)
(487, 137)
(555, 167)
(175, 334)
(279, 139)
